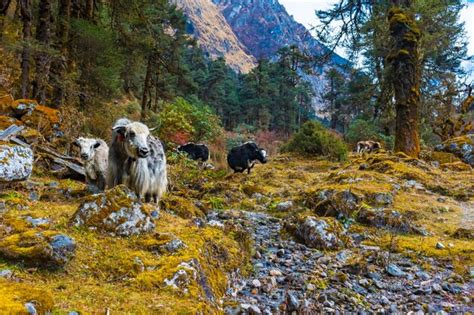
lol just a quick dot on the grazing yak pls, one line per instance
(94, 153)
(195, 151)
(144, 170)
(244, 157)
(368, 146)
(117, 155)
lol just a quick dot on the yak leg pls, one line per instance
(155, 198)
(147, 197)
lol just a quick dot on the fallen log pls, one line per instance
(74, 167)
(11, 131)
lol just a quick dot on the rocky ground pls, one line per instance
(381, 232)
(291, 277)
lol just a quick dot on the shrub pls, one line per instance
(314, 139)
(361, 130)
(182, 121)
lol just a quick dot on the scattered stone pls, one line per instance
(384, 199)
(436, 287)
(6, 273)
(174, 245)
(284, 206)
(395, 271)
(275, 272)
(117, 211)
(292, 302)
(440, 246)
(216, 224)
(33, 196)
(37, 222)
(256, 283)
(31, 308)
(16, 163)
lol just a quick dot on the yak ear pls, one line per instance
(119, 130)
(76, 143)
(96, 144)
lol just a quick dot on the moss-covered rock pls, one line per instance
(40, 249)
(462, 147)
(117, 211)
(16, 297)
(388, 219)
(320, 233)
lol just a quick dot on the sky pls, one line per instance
(303, 12)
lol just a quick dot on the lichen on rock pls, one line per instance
(16, 163)
(117, 211)
(320, 233)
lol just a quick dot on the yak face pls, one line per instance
(135, 136)
(87, 147)
(116, 136)
(256, 153)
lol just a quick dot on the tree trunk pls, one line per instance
(58, 67)
(26, 17)
(146, 87)
(42, 58)
(405, 68)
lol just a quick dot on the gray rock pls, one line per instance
(292, 302)
(284, 206)
(2, 205)
(53, 184)
(316, 233)
(16, 163)
(63, 248)
(436, 288)
(37, 221)
(31, 308)
(440, 245)
(383, 198)
(6, 273)
(174, 245)
(395, 271)
(116, 211)
(33, 196)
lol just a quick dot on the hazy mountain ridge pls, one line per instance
(244, 31)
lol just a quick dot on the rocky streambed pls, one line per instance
(290, 277)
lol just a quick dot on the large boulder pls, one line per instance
(46, 249)
(318, 232)
(16, 162)
(117, 211)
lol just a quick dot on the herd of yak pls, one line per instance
(137, 159)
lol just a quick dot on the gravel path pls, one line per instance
(291, 278)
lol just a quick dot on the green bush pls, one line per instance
(182, 121)
(362, 130)
(314, 139)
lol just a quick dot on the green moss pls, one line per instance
(13, 297)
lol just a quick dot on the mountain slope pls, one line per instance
(264, 26)
(215, 35)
